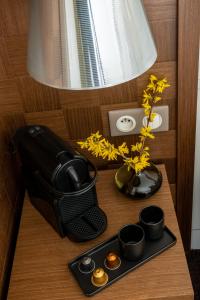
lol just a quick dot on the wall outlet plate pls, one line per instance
(138, 115)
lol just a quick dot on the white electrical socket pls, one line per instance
(125, 124)
(133, 120)
(157, 122)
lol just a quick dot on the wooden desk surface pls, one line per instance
(40, 269)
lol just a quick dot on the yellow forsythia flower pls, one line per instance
(146, 105)
(96, 150)
(152, 117)
(151, 86)
(156, 99)
(153, 77)
(146, 153)
(123, 149)
(137, 147)
(162, 85)
(99, 147)
(96, 135)
(83, 145)
(141, 164)
(110, 154)
(108, 151)
(147, 108)
(146, 132)
(130, 162)
(146, 96)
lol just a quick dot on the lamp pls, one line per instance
(88, 44)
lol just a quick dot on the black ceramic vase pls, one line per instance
(141, 185)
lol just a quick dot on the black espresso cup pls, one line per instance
(132, 241)
(152, 220)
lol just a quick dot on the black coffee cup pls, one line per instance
(132, 241)
(152, 220)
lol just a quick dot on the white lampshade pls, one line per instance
(88, 44)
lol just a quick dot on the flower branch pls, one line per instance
(100, 147)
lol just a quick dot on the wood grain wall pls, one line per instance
(71, 114)
(188, 56)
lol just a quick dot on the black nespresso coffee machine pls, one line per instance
(60, 183)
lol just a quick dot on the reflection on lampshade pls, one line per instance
(88, 44)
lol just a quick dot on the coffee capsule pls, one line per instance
(86, 264)
(112, 261)
(99, 277)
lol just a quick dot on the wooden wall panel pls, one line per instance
(161, 10)
(74, 114)
(6, 69)
(37, 97)
(10, 97)
(165, 36)
(17, 50)
(54, 119)
(14, 17)
(82, 120)
(188, 56)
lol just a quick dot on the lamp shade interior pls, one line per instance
(88, 44)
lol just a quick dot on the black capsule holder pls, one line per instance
(98, 256)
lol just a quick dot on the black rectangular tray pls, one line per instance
(98, 254)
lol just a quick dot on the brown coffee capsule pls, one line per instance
(99, 277)
(112, 260)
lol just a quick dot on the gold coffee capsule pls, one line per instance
(99, 277)
(112, 260)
